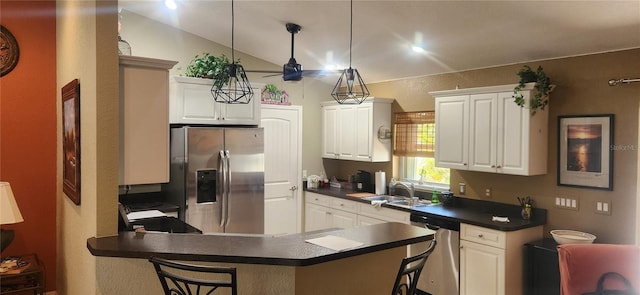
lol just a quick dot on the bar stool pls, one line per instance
(411, 267)
(180, 284)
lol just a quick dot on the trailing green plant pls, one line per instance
(543, 86)
(210, 67)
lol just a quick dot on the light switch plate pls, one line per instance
(567, 203)
(603, 207)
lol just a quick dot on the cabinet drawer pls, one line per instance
(344, 205)
(386, 214)
(483, 235)
(318, 199)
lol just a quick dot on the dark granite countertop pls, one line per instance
(464, 210)
(287, 250)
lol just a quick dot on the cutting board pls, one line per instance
(360, 195)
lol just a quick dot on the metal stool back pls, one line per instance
(411, 267)
(179, 284)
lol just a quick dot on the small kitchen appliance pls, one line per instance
(362, 181)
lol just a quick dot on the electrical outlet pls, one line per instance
(567, 203)
(487, 192)
(603, 207)
(461, 188)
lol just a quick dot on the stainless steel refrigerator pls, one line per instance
(217, 178)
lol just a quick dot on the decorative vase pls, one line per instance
(123, 47)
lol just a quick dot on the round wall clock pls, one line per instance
(9, 51)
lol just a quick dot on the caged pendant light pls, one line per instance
(350, 89)
(233, 87)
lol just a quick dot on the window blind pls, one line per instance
(414, 134)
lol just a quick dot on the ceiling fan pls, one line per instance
(292, 70)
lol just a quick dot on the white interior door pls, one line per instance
(282, 165)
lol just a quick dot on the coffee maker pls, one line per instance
(362, 182)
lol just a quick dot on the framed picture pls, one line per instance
(71, 140)
(585, 158)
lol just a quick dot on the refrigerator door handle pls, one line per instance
(221, 184)
(227, 197)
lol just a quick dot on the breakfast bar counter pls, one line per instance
(285, 264)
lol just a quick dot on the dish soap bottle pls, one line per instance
(434, 197)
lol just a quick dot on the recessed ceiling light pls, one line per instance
(171, 4)
(417, 49)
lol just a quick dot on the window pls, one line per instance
(414, 144)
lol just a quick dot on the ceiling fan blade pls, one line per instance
(264, 71)
(320, 72)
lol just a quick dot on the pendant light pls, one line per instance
(233, 87)
(350, 89)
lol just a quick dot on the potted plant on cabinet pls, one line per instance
(542, 86)
(209, 67)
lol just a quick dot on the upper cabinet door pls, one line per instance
(330, 132)
(144, 120)
(347, 130)
(452, 131)
(522, 145)
(483, 128)
(191, 102)
(363, 150)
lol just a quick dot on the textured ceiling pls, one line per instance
(456, 35)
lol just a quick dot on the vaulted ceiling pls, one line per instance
(455, 35)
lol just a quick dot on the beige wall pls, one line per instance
(581, 89)
(85, 50)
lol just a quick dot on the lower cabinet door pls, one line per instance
(343, 219)
(316, 217)
(482, 269)
(366, 220)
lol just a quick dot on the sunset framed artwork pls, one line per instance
(71, 140)
(585, 157)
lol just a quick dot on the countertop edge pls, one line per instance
(264, 250)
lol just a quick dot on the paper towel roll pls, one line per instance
(381, 183)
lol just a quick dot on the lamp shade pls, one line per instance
(9, 212)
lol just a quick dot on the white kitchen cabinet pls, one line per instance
(144, 120)
(491, 260)
(383, 213)
(452, 131)
(366, 220)
(322, 212)
(350, 131)
(482, 129)
(191, 102)
(329, 131)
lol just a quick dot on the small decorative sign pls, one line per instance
(272, 95)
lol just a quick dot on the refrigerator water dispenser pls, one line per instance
(206, 185)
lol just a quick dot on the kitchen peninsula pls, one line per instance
(284, 264)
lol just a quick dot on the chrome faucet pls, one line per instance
(407, 186)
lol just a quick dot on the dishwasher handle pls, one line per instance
(431, 226)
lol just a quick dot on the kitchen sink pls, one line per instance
(399, 201)
(386, 198)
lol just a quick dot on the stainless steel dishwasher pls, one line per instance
(440, 275)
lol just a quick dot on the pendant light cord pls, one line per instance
(233, 59)
(350, 33)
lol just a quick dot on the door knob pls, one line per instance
(293, 188)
